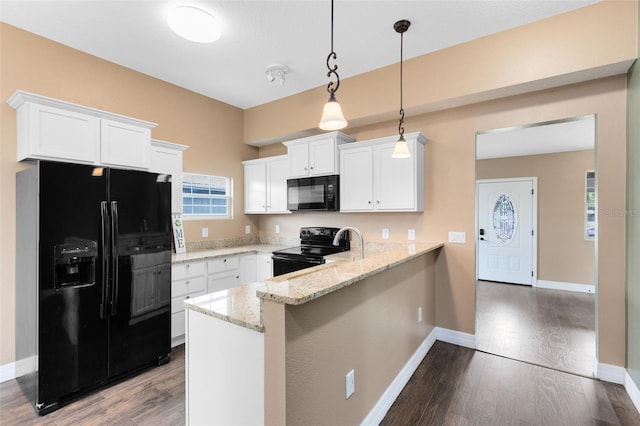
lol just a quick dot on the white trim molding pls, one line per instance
(557, 285)
(632, 390)
(7, 372)
(389, 396)
(456, 337)
(610, 373)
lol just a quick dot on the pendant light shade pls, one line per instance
(332, 117)
(401, 149)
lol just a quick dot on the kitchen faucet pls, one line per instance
(341, 230)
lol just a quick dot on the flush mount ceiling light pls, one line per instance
(194, 24)
(276, 72)
(332, 118)
(401, 150)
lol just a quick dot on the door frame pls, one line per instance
(534, 224)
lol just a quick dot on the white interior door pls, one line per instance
(507, 230)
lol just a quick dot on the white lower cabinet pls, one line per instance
(223, 273)
(187, 280)
(193, 279)
(264, 267)
(373, 181)
(224, 382)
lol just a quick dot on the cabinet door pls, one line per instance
(356, 179)
(223, 281)
(277, 186)
(264, 267)
(248, 268)
(394, 179)
(322, 157)
(255, 184)
(166, 160)
(124, 145)
(298, 160)
(53, 133)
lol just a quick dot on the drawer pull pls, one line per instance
(186, 282)
(225, 260)
(187, 266)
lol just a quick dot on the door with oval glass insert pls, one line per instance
(507, 230)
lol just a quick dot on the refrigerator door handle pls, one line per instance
(104, 213)
(114, 257)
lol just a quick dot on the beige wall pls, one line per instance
(370, 327)
(450, 196)
(579, 44)
(547, 53)
(564, 254)
(632, 214)
(212, 130)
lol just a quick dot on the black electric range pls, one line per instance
(315, 243)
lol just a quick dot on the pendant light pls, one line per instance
(332, 118)
(401, 149)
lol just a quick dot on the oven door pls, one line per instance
(284, 264)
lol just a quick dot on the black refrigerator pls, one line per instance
(93, 278)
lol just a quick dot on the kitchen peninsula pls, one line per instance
(277, 351)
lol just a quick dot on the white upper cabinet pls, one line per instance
(265, 185)
(50, 129)
(315, 155)
(166, 157)
(371, 180)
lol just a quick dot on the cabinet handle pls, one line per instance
(225, 260)
(311, 167)
(186, 283)
(378, 201)
(305, 169)
(187, 297)
(187, 266)
(237, 277)
(369, 202)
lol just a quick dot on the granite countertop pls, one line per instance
(243, 305)
(178, 258)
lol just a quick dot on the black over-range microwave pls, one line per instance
(318, 193)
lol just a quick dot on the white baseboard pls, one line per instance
(611, 373)
(632, 390)
(389, 396)
(7, 372)
(557, 285)
(456, 337)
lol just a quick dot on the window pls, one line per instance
(590, 205)
(204, 195)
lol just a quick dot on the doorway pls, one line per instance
(549, 321)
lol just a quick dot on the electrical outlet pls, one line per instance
(385, 233)
(420, 314)
(247, 229)
(205, 232)
(277, 229)
(350, 384)
(411, 234)
(458, 237)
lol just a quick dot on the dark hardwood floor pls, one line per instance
(459, 386)
(452, 386)
(155, 397)
(552, 328)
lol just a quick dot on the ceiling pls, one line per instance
(295, 33)
(576, 134)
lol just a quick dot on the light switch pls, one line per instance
(247, 229)
(277, 229)
(385, 233)
(411, 234)
(205, 232)
(458, 237)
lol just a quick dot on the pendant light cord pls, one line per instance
(401, 123)
(332, 55)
